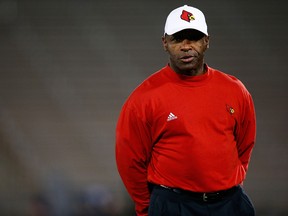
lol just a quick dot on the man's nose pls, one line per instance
(186, 45)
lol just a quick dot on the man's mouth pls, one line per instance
(187, 59)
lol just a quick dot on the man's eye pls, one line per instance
(195, 37)
(187, 34)
(177, 39)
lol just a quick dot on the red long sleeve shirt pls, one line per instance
(190, 132)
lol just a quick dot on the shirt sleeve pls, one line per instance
(133, 150)
(246, 133)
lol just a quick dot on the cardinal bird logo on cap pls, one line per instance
(187, 16)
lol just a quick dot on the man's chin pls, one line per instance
(187, 67)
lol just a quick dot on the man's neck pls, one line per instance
(192, 72)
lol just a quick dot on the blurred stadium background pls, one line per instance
(66, 68)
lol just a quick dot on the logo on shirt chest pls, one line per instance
(230, 109)
(171, 117)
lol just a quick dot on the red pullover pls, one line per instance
(190, 132)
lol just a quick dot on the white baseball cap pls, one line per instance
(185, 17)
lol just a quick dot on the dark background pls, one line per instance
(66, 68)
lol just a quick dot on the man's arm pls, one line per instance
(246, 133)
(133, 150)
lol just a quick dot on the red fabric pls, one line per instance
(204, 146)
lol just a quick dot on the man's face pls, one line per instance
(186, 49)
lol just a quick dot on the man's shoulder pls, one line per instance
(147, 87)
(227, 78)
(230, 82)
(151, 82)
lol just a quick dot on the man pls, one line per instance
(185, 135)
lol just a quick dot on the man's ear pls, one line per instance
(164, 43)
(207, 40)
